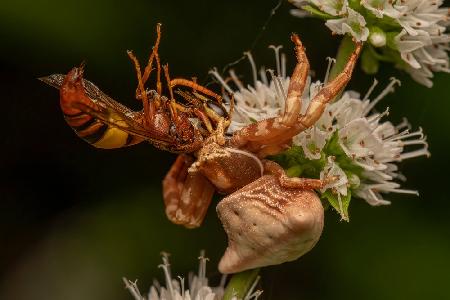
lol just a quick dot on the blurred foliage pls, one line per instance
(76, 219)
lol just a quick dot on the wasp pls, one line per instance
(164, 122)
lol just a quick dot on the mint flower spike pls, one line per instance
(350, 141)
(196, 289)
(411, 34)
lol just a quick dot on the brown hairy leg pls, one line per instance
(149, 107)
(196, 87)
(186, 195)
(148, 69)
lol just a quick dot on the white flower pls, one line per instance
(339, 186)
(372, 145)
(381, 8)
(425, 53)
(419, 26)
(312, 142)
(421, 14)
(332, 7)
(353, 23)
(176, 289)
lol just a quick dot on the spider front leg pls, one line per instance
(259, 133)
(186, 195)
(329, 92)
(264, 134)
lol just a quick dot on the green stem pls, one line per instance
(346, 48)
(240, 283)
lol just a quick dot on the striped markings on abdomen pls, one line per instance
(99, 134)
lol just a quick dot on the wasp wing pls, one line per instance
(111, 112)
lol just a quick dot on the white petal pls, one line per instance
(354, 23)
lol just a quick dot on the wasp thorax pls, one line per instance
(268, 224)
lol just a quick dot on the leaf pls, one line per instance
(369, 63)
(317, 12)
(298, 165)
(339, 203)
(240, 284)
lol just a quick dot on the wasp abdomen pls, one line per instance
(92, 130)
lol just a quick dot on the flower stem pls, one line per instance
(346, 48)
(240, 284)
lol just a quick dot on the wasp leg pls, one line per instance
(204, 119)
(149, 107)
(196, 87)
(186, 195)
(173, 105)
(148, 69)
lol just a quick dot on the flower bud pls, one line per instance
(377, 37)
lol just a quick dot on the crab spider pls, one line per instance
(269, 218)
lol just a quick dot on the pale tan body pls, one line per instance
(287, 212)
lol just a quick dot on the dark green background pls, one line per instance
(74, 219)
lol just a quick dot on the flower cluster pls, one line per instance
(197, 288)
(349, 142)
(410, 33)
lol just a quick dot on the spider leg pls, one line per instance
(186, 195)
(271, 129)
(294, 182)
(329, 92)
(272, 149)
(296, 85)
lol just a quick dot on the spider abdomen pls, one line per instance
(268, 224)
